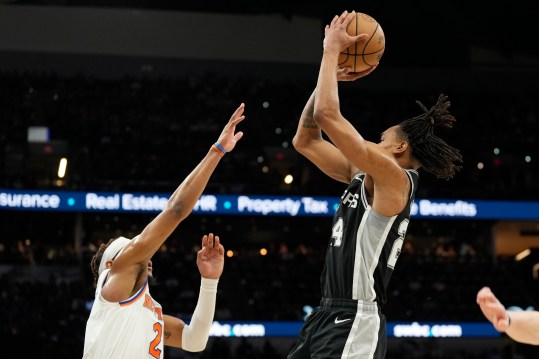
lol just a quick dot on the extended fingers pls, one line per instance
(335, 19)
(208, 240)
(215, 242)
(239, 110)
(346, 17)
(238, 114)
(495, 307)
(485, 295)
(237, 120)
(219, 246)
(204, 241)
(342, 19)
(211, 241)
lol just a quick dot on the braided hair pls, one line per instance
(96, 259)
(435, 155)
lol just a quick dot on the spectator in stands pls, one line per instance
(520, 326)
(125, 321)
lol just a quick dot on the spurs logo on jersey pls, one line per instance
(350, 199)
(364, 245)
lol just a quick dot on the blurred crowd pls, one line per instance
(146, 133)
(53, 298)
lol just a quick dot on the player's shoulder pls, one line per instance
(412, 174)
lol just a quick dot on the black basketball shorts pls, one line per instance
(342, 328)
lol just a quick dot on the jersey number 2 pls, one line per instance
(154, 351)
(396, 250)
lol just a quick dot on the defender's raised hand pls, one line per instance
(228, 138)
(211, 258)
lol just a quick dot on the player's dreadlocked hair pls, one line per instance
(96, 259)
(436, 156)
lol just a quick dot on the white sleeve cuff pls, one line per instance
(195, 335)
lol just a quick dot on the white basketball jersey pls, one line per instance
(131, 329)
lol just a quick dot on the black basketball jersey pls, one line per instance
(364, 245)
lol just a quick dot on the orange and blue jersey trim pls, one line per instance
(137, 296)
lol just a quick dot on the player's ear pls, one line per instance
(401, 147)
(108, 264)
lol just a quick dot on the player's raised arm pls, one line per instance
(363, 154)
(410, 144)
(309, 142)
(182, 201)
(138, 252)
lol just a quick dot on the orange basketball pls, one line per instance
(361, 56)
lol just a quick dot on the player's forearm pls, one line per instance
(326, 104)
(307, 116)
(196, 334)
(307, 129)
(187, 194)
(524, 327)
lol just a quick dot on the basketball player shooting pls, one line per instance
(371, 220)
(125, 321)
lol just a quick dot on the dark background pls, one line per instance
(144, 127)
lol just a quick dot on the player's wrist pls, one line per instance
(331, 49)
(208, 284)
(217, 147)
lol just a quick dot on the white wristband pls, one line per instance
(195, 335)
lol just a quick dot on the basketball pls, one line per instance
(360, 56)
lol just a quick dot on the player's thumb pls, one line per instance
(238, 136)
(360, 37)
(502, 324)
